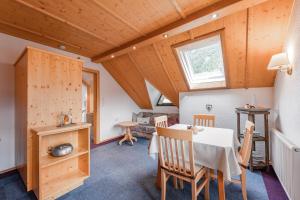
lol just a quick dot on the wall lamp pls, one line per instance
(280, 62)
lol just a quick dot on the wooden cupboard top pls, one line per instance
(45, 51)
(49, 130)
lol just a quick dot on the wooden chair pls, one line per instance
(204, 120)
(173, 162)
(244, 156)
(161, 121)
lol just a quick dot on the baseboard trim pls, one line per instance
(8, 172)
(107, 141)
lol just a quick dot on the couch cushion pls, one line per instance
(136, 115)
(149, 128)
(145, 128)
(147, 114)
(143, 120)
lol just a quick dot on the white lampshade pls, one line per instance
(279, 61)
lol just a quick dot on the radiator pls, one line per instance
(286, 163)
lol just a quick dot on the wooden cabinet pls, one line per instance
(46, 84)
(55, 176)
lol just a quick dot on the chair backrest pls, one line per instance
(204, 120)
(246, 148)
(172, 155)
(161, 121)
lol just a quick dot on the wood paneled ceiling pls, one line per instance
(254, 30)
(91, 27)
(251, 37)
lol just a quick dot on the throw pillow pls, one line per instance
(134, 117)
(143, 120)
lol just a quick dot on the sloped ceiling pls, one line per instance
(154, 71)
(251, 37)
(130, 79)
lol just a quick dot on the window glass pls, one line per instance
(203, 63)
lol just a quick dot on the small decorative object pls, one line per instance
(189, 127)
(70, 116)
(248, 106)
(196, 129)
(60, 150)
(208, 107)
(65, 119)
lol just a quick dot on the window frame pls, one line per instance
(163, 104)
(208, 85)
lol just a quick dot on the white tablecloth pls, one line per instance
(213, 148)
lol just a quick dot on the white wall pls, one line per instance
(7, 112)
(224, 103)
(287, 88)
(154, 96)
(115, 104)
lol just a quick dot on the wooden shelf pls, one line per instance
(260, 160)
(56, 176)
(58, 186)
(256, 137)
(47, 161)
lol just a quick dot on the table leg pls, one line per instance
(238, 126)
(158, 176)
(128, 136)
(266, 141)
(124, 138)
(221, 185)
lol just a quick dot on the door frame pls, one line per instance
(96, 96)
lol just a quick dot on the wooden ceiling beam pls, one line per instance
(39, 34)
(67, 22)
(100, 4)
(164, 67)
(178, 8)
(198, 18)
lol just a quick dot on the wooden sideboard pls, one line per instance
(55, 176)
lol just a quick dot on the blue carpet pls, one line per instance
(127, 172)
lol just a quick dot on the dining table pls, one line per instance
(214, 148)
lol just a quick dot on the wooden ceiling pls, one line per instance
(91, 27)
(254, 30)
(251, 37)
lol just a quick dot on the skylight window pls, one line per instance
(202, 62)
(163, 101)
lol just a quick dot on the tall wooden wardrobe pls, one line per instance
(46, 84)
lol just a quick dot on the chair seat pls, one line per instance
(179, 169)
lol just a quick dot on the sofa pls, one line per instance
(146, 122)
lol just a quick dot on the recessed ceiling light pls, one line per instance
(165, 35)
(112, 56)
(215, 16)
(134, 47)
(62, 47)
